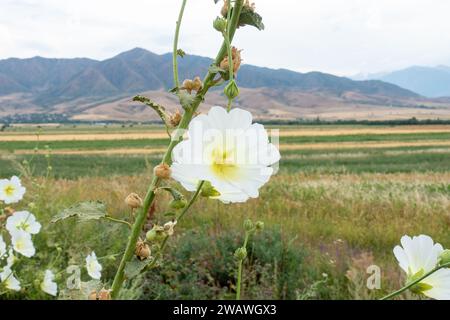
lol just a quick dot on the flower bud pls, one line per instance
(162, 171)
(444, 258)
(231, 90)
(178, 204)
(259, 225)
(133, 201)
(142, 250)
(155, 234)
(248, 225)
(220, 24)
(104, 294)
(209, 191)
(240, 253)
(175, 119)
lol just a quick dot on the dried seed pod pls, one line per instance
(133, 201)
(175, 119)
(187, 85)
(162, 171)
(237, 60)
(197, 84)
(142, 250)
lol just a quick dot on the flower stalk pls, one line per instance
(176, 81)
(208, 82)
(413, 283)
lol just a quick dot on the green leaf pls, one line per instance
(84, 211)
(135, 267)
(250, 18)
(181, 53)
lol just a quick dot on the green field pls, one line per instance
(339, 203)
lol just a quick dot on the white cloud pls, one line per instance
(338, 36)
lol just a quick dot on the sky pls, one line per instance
(343, 37)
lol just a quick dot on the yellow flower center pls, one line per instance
(9, 190)
(224, 164)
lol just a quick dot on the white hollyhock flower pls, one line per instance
(93, 267)
(227, 150)
(11, 258)
(11, 191)
(419, 255)
(22, 243)
(2, 247)
(49, 285)
(8, 279)
(23, 220)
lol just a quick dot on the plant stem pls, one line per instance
(239, 276)
(119, 221)
(175, 46)
(413, 283)
(208, 82)
(230, 53)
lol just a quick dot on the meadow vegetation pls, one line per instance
(330, 212)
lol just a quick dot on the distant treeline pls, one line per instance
(64, 119)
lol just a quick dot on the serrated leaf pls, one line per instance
(135, 267)
(84, 211)
(181, 53)
(249, 17)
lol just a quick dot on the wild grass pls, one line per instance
(330, 211)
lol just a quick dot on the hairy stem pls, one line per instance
(176, 81)
(230, 54)
(413, 283)
(208, 82)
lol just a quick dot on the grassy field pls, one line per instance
(342, 199)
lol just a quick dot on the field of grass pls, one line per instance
(343, 197)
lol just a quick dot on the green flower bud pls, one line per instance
(259, 225)
(231, 90)
(220, 24)
(151, 235)
(209, 191)
(444, 258)
(156, 234)
(178, 204)
(240, 253)
(248, 225)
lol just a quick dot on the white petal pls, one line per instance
(440, 281)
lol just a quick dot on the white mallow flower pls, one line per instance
(227, 150)
(2, 247)
(11, 258)
(22, 243)
(419, 255)
(8, 279)
(23, 220)
(49, 285)
(93, 267)
(11, 191)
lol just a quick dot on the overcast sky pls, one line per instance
(337, 36)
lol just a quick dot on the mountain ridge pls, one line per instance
(77, 87)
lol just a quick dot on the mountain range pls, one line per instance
(87, 89)
(430, 82)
